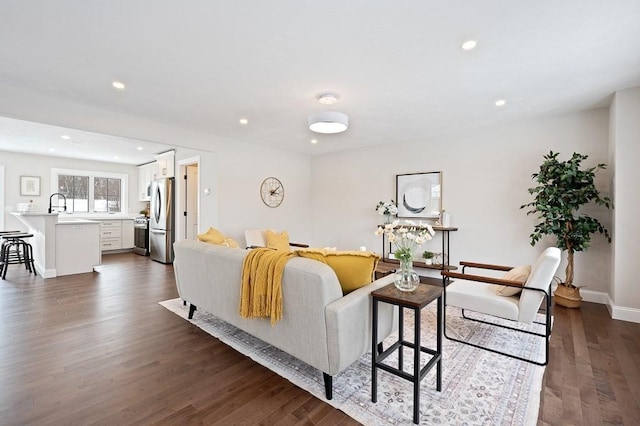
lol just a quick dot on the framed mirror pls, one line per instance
(419, 195)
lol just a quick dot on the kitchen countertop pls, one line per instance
(77, 222)
(74, 216)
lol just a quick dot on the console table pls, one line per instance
(415, 300)
(386, 250)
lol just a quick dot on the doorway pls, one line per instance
(187, 200)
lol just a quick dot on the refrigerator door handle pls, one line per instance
(158, 231)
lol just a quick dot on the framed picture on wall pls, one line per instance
(419, 195)
(29, 185)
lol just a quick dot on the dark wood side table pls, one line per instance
(416, 300)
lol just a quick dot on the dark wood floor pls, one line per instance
(98, 349)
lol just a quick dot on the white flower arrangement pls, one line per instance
(387, 208)
(406, 238)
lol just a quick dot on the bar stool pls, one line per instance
(15, 250)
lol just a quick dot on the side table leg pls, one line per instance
(439, 321)
(374, 352)
(401, 337)
(416, 367)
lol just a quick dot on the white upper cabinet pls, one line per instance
(166, 164)
(145, 176)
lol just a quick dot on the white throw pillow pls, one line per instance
(520, 274)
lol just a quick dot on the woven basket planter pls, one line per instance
(567, 297)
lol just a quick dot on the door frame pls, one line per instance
(180, 189)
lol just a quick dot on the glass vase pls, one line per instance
(387, 219)
(405, 278)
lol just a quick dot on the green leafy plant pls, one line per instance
(428, 254)
(563, 188)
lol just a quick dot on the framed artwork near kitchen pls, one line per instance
(419, 195)
(29, 185)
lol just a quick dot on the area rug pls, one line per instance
(478, 387)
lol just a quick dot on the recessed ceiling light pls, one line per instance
(500, 102)
(244, 121)
(469, 45)
(115, 157)
(52, 150)
(139, 148)
(118, 85)
(65, 137)
(314, 141)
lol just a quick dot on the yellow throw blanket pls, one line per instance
(261, 294)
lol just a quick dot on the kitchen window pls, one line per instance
(91, 192)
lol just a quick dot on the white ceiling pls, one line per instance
(397, 66)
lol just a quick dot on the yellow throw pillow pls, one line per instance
(520, 274)
(354, 268)
(212, 236)
(279, 242)
(230, 242)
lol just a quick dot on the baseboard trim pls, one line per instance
(623, 313)
(595, 296)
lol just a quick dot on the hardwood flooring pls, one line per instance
(98, 349)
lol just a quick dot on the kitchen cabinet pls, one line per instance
(77, 247)
(166, 164)
(110, 235)
(127, 234)
(146, 173)
(116, 234)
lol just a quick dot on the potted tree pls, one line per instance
(563, 188)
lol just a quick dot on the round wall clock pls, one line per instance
(272, 192)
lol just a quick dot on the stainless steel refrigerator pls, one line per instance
(161, 222)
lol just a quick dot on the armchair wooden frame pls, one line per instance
(499, 281)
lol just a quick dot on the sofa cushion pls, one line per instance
(354, 269)
(212, 236)
(277, 241)
(520, 274)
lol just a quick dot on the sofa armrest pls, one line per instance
(349, 325)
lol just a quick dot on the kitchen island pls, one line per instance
(62, 247)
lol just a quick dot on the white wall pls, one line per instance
(486, 174)
(40, 165)
(625, 152)
(233, 170)
(234, 174)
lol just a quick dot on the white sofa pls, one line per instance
(320, 326)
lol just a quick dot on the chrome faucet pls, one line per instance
(58, 206)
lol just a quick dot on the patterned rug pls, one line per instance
(478, 387)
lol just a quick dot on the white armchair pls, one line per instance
(478, 293)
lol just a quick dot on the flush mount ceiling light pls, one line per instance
(328, 122)
(118, 85)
